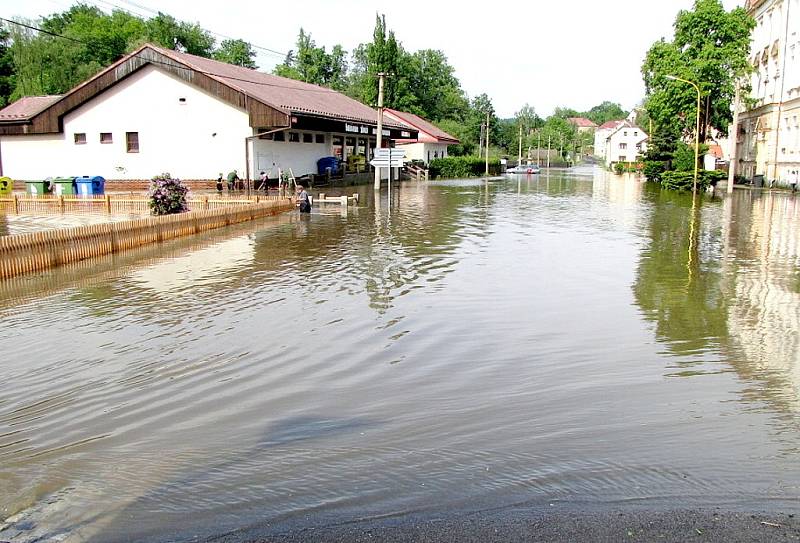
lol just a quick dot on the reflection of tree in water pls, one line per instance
(732, 292)
(4, 231)
(678, 283)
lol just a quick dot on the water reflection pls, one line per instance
(458, 346)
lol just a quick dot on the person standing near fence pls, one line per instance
(233, 178)
(219, 184)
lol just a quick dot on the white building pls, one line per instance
(158, 110)
(768, 135)
(431, 143)
(621, 141)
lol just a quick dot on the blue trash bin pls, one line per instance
(90, 185)
(328, 162)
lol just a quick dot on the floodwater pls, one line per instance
(567, 340)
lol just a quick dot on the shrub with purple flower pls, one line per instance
(167, 195)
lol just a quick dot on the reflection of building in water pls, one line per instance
(764, 313)
(204, 266)
(622, 192)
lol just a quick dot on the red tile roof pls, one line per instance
(582, 122)
(610, 124)
(428, 132)
(283, 94)
(280, 92)
(27, 106)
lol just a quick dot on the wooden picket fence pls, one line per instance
(36, 251)
(117, 203)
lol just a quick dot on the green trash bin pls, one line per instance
(65, 186)
(38, 188)
(6, 186)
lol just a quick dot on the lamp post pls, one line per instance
(697, 129)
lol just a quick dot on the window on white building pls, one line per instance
(320, 138)
(105, 137)
(80, 138)
(132, 142)
(623, 145)
(280, 136)
(308, 138)
(625, 133)
(622, 158)
(294, 137)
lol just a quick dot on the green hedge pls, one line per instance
(462, 166)
(684, 180)
(654, 169)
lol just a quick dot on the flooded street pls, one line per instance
(558, 340)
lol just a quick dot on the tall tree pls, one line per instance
(710, 48)
(6, 67)
(313, 64)
(607, 111)
(237, 52)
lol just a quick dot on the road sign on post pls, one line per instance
(387, 157)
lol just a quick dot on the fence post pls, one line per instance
(16, 204)
(205, 203)
(343, 199)
(108, 204)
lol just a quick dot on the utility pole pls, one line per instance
(379, 140)
(519, 157)
(487, 143)
(733, 134)
(548, 150)
(539, 148)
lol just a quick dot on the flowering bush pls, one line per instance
(167, 195)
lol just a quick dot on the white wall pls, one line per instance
(194, 139)
(629, 136)
(420, 151)
(301, 157)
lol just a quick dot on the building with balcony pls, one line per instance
(768, 134)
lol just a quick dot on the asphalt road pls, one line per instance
(518, 525)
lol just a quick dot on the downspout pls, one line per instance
(780, 99)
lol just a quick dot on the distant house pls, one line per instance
(582, 124)
(431, 142)
(620, 141)
(158, 110)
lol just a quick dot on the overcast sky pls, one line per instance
(573, 53)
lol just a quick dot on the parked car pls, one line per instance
(525, 168)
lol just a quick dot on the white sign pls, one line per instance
(386, 157)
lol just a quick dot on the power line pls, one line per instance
(281, 54)
(199, 70)
(42, 30)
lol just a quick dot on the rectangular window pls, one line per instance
(132, 142)
(308, 138)
(635, 133)
(622, 158)
(625, 133)
(105, 137)
(294, 137)
(280, 136)
(80, 138)
(320, 138)
(623, 145)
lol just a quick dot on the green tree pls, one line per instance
(6, 67)
(437, 92)
(607, 111)
(166, 31)
(237, 52)
(313, 64)
(710, 48)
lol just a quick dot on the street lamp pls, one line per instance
(697, 129)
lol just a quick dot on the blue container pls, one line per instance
(90, 185)
(328, 162)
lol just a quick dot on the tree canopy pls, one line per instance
(87, 40)
(710, 48)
